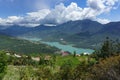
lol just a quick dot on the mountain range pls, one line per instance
(80, 33)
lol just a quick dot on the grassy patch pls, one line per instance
(12, 73)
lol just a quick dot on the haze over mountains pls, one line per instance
(81, 33)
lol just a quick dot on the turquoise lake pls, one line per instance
(63, 47)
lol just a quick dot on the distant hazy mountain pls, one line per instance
(81, 33)
(16, 30)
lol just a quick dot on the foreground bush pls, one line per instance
(107, 69)
(3, 64)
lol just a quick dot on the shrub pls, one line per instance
(3, 64)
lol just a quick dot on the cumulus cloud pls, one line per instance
(10, 20)
(73, 12)
(37, 16)
(101, 5)
(62, 13)
(31, 19)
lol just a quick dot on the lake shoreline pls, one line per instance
(63, 47)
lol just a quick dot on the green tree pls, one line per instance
(65, 72)
(41, 62)
(74, 54)
(117, 46)
(3, 64)
(106, 50)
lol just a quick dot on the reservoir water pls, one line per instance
(63, 47)
(69, 48)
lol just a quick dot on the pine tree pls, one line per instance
(106, 50)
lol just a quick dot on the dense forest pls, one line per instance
(103, 64)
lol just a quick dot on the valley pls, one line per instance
(82, 33)
(63, 47)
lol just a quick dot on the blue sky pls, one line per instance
(21, 7)
(108, 10)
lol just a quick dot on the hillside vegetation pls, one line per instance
(23, 46)
(103, 64)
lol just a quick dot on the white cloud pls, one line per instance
(96, 4)
(31, 19)
(73, 12)
(62, 13)
(103, 21)
(37, 16)
(102, 5)
(29, 24)
(11, 20)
